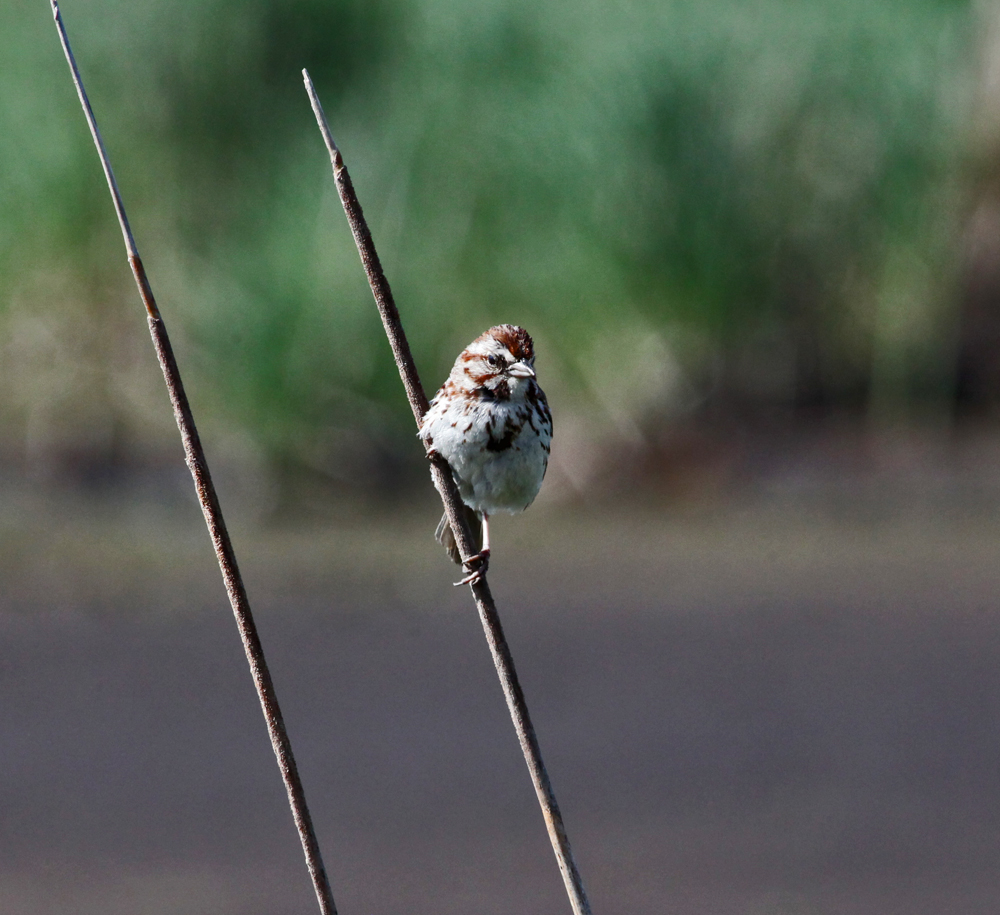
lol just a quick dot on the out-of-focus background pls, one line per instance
(758, 246)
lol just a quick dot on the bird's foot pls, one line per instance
(476, 566)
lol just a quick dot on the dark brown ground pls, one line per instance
(744, 712)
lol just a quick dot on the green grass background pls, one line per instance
(686, 203)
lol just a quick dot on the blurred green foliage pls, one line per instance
(681, 200)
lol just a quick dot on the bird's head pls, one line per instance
(499, 364)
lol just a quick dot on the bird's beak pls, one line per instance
(521, 370)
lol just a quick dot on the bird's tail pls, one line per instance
(446, 537)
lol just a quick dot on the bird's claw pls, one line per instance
(476, 566)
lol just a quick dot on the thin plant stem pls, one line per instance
(445, 484)
(195, 456)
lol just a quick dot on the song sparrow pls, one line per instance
(492, 424)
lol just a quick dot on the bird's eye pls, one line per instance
(493, 359)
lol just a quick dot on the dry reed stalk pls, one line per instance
(195, 456)
(502, 658)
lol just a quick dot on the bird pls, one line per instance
(491, 422)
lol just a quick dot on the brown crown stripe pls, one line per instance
(516, 339)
